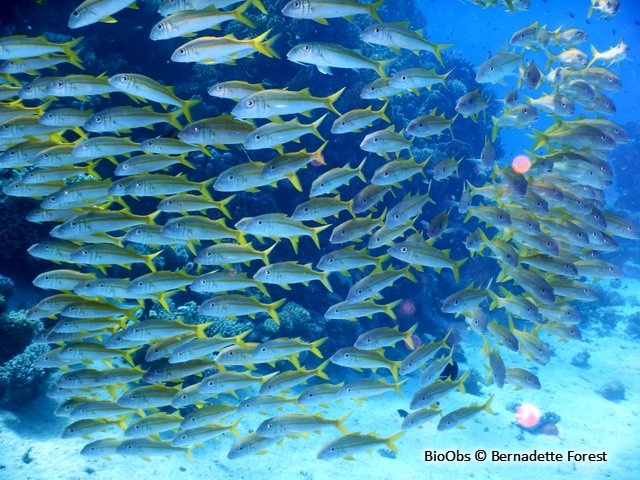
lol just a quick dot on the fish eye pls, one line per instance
(76, 13)
(258, 137)
(404, 77)
(59, 84)
(377, 29)
(197, 129)
(181, 51)
(85, 252)
(98, 118)
(347, 355)
(268, 272)
(250, 103)
(331, 260)
(230, 177)
(159, 26)
(306, 48)
(404, 249)
(259, 222)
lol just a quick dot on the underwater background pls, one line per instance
(444, 264)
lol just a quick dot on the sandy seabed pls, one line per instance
(31, 448)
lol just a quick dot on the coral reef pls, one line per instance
(581, 359)
(20, 381)
(613, 390)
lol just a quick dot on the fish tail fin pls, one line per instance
(183, 160)
(494, 129)
(462, 379)
(317, 156)
(203, 187)
(595, 53)
(494, 300)
(486, 407)
(455, 269)
(294, 243)
(260, 286)
(381, 66)
(222, 206)
(437, 52)
(239, 339)
(319, 371)
(397, 385)
(451, 124)
(388, 309)
(324, 278)
(359, 168)
(541, 139)
(68, 47)
(294, 180)
(408, 336)
(233, 430)
(186, 109)
(486, 348)
(258, 4)
(389, 441)
(313, 348)
(409, 275)
(550, 60)
(200, 329)
(265, 253)
(148, 260)
(331, 99)
(314, 235)
(340, 423)
(443, 342)
(373, 10)
(314, 127)
(383, 112)
(264, 46)
(272, 307)
(394, 368)
(162, 300)
(238, 14)
(172, 118)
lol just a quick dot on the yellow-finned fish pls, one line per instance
(455, 418)
(320, 10)
(92, 11)
(326, 56)
(346, 446)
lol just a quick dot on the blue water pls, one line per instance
(577, 415)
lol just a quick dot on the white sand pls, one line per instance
(589, 424)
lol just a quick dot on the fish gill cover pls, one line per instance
(286, 209)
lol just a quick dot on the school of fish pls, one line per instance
(138, 385)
